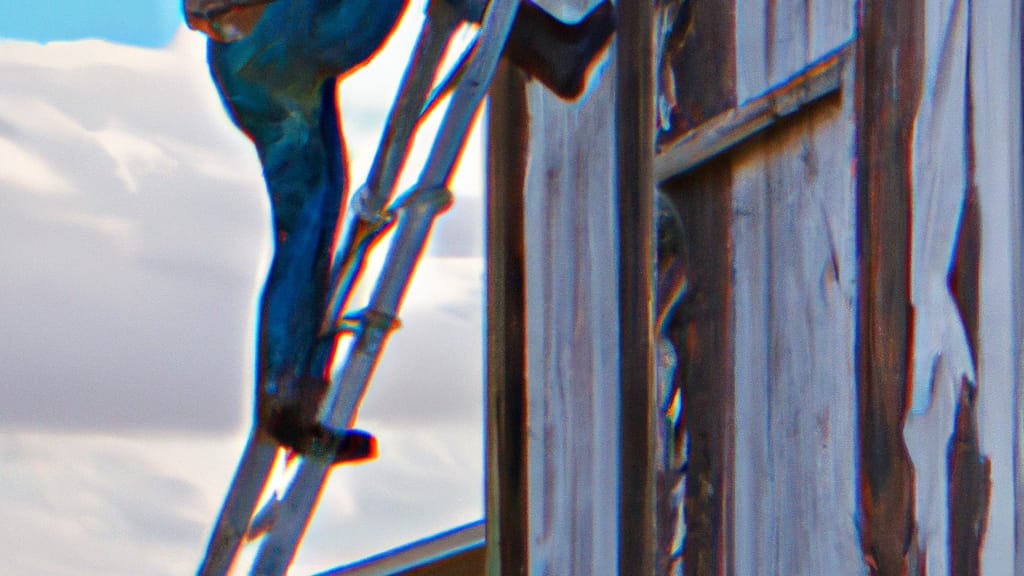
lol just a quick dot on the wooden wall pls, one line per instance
(848, 174)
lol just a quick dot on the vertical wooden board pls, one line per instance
(572, 333)
(634, 122)
(704, 325)
(888, 87)
(775, 39)
(995, 70)
(831, 24)
(507, 495)
(812, 286)
(941, 357)
(752, 33)
(755, 516)
(788, 38)
(795, 256)
(705, 68)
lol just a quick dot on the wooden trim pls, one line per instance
(735, 126)
(888, 90)
(702, 332)
(506, 458)
(634, 130)
(458, 552)
(970, 471)
(704, 69)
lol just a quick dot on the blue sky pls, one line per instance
(150, 23)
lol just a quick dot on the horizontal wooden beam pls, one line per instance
(460, 551)
(732, 127)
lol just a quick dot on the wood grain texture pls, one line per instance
(572, 321)
(776, 39)
(507, 496)
(735, 126)
(705, 68)
(995, 73)
(969, 471)
(887, 93)
(634, 122)
(795, 273)
(702, 334)
(941, 359)
(705, 78)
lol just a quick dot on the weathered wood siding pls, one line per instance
(941, 361)
(506, 473)
(776, 39)
(888, 89)
(995, 75)
(572, 326)
(849, 178)
(795, 271)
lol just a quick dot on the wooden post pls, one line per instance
(888, 90)
(634, 132)
(507, 496)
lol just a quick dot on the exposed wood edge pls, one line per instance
(634, 183)
(970, 471)
(506, 423)
(887, 93)
(732, 127)
(418, 555)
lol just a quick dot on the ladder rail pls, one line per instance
(368, 221)
(256, 465)
(233, 522)
(414, 216)
(416, 213)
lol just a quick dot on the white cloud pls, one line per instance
(24, 169)
(133, 238)
(134, 154)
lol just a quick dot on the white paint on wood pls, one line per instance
(795, 291)
(751, 43)
(995, 85)
(941, 356)
(755, 506)
(776, 39)
(572, 327)
(939, 186)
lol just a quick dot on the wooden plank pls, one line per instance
(634, 182)
(995, 71)
(755, 507)
(703, 334)
(507, 496)
(941, 358)
(969, 471)
(704, 71)
(888, 88)
(735, 126)
(795, 401)
(705, 68)
(831, 24)
(572, 304)
(752, 34)
(776, 39)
